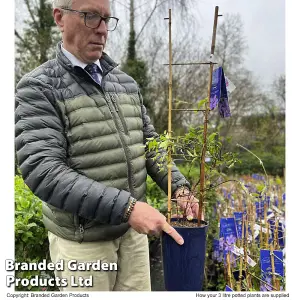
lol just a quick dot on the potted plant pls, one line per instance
(184, 265)
(200, 147)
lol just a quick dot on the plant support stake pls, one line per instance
(170, 116)
(206, 113)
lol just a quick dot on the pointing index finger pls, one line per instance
(167, 228)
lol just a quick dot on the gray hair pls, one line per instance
(62, 3)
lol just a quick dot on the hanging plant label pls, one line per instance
(238, 218)
(277, 210)
(240, 251)
(228, 228)
(215, 92)
(264, 230)
(266, 267)
(229, 85)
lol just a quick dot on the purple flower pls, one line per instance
(220, 257)
(215, 255)
(230, 239)
(265, 287)
(221, 244)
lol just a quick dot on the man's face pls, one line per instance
(85, 43)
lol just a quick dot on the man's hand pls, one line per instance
(146, 219)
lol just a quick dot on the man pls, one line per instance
(80, 128)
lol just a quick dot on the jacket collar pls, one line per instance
(107, 64)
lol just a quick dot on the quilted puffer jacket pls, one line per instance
(80, 147)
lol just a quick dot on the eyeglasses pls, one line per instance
(93, 20)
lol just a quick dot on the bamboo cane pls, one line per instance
(252, 223)
(239, 284)
(206, 113)
(276, 243)
(240, 204)
(260, 229)
(245, 246)
(267, 236)
(266, 221)
(229, 269)
(273, 266)
(170, 116)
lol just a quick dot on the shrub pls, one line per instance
(31, 237)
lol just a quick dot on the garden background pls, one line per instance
(140, 45)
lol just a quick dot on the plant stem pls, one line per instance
(260, 161)
(206, 113)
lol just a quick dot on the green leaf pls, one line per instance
(212, 136)
(190, 154)
(255, 195)
(202, 102)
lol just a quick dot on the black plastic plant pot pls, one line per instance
(184, 265)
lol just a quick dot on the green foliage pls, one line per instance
(274, 164)
(31, 239)
(156, 197)
(189, 148)
(137, 69)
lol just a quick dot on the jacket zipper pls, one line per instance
(81, 232)
(120, 114)
(123, 142)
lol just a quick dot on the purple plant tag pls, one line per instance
(215, 92)
(228, 289)
(217, 254)
(238, 217)
(227, 228)
(228, 237)
(272, 227)
(224, 109)
(266, 267)
(265, 261)
(259, 209)
(280, 235)
(218, 93)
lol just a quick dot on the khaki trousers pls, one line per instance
(130, 252)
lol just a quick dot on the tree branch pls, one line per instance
(26, 45)
(32, 15)
(148, 19)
